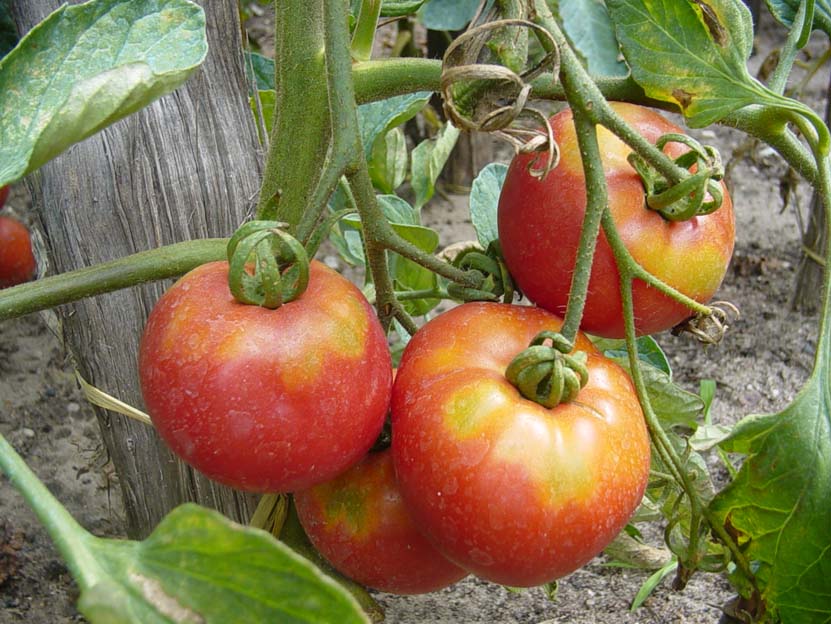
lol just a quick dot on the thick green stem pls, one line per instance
(69, 537)
(146, 266)
(377, 80)
(597, 199)
(301, 128)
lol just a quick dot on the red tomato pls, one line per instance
(539, 229)
(17, 262)
(512, 491)
(266, 400)
(360, 525)
(4, 194)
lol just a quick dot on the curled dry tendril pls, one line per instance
(710, 328)
(496, 108)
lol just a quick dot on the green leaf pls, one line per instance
(428, 159)
(268, 100)
(397, 8)
(780, 502)
(261, 69)
(590, 30)
(389, 160)
(377, 118)
(198, 566)
(651, 583)
(8, 32)
(484, 201)
(785, 12)
(691, 53)
(649, 352)
(87, 66)
(448, 14)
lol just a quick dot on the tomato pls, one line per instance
(265, 400)
(358, 522)
(17, 262)
(539, 228)
(4, 194)
(517, 493)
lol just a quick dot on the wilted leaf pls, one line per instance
(87, 66)
(692, 53)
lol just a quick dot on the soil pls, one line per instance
(759, 367)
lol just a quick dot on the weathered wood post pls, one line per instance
(186, 167)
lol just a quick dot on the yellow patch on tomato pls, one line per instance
(469, 410)
(556, 453)
(348, 325)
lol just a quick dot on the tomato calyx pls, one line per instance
(268, 266)
(699, 193)
(495, 283)
(549, 374)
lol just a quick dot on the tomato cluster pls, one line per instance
(478, 478)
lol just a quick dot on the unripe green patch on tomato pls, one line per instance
(358, 522)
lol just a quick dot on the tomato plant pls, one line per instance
(540, 222)
(360, 524)
(17, 262)
(515, 492)
(282, 399)
(265, 400)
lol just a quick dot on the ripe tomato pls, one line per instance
(517, 493)
(358, 522)
(4, 194)
(265, 400)
(17, 262)
(539, 228)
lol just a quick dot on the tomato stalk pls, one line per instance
(347, 158)
(69, 537)
(661, 443)
(146, 266)
(301, 128)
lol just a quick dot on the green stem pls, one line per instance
(596, 205)
(787, 56)
(146, 266)
(70, 538)
(301, 128)
(628, 264)
(381, 79)
(576, 78)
